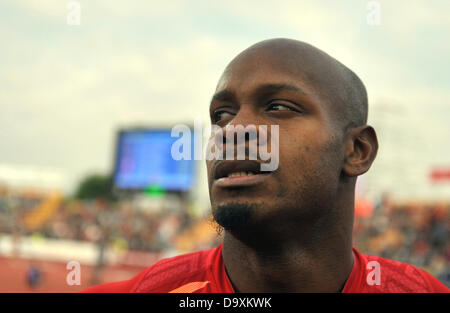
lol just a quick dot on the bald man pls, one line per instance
(288, 229)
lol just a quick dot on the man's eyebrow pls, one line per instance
(228, 95)
(281, 86)
(277, 87)
(223, 95)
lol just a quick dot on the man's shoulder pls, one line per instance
(171, 273)
(395, 276)
(191, 270)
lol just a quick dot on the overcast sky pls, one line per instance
(64, 90)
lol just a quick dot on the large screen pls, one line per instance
(143, 160)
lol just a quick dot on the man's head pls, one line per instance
(324, 143)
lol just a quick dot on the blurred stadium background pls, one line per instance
(85, 168)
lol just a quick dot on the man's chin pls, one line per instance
(234, 215)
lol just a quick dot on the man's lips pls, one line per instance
(236, 173)
(240, 181)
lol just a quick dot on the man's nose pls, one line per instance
(243, 136)
(245, 116)
(244, 126)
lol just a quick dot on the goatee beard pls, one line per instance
(233, 216)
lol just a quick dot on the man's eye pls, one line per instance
(218, 115)
(279, 107)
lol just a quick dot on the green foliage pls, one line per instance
(95, 187)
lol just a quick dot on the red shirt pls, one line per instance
(204, 272)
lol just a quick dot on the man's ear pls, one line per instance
(361, 150)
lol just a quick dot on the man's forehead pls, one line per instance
(247, 75)
(284, 58)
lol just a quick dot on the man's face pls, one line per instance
(263, 89)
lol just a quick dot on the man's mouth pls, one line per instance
(238, 174)
(235, 173)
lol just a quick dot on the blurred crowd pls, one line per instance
(121, 225)
(414, 233)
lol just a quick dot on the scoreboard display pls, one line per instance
(144, 160)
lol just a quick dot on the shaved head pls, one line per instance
(338, 86)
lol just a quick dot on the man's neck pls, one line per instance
(309, 260)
